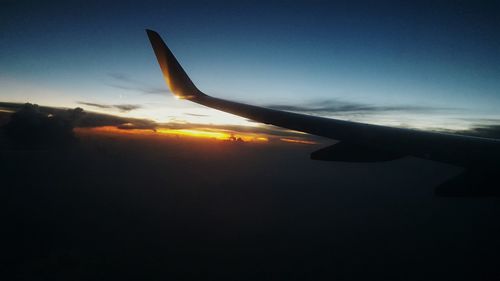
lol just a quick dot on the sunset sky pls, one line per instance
(429, 65)
(106, 176)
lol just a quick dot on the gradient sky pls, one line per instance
(425, 65)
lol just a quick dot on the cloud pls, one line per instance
(196, 115)
(330, 106)
(121, 107)
(484, 130)
(31, 127)
(34, 126)
(125, 82)
(92, 119)
(95, 104)
(126, 107)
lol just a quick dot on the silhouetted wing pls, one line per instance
(358, 142)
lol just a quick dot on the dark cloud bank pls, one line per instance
(33, 126)
(30, 127)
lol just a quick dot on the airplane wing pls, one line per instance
(358, 142)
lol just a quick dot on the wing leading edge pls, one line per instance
(380, 143)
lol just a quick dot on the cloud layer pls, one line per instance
(331, 106)
(37, 126)
(78, 118)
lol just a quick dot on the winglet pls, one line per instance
(176, 78)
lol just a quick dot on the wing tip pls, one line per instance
(177, 80)
(151, 32)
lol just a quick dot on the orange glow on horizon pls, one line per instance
(195, 133)
(203, 133)
(213, 134)
(206, 133)
(115, 130)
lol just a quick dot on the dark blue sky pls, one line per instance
(425, 65)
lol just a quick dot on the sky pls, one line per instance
(426, 65)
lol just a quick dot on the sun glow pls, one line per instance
(206, 133)
(214, 134)
(195, 133)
